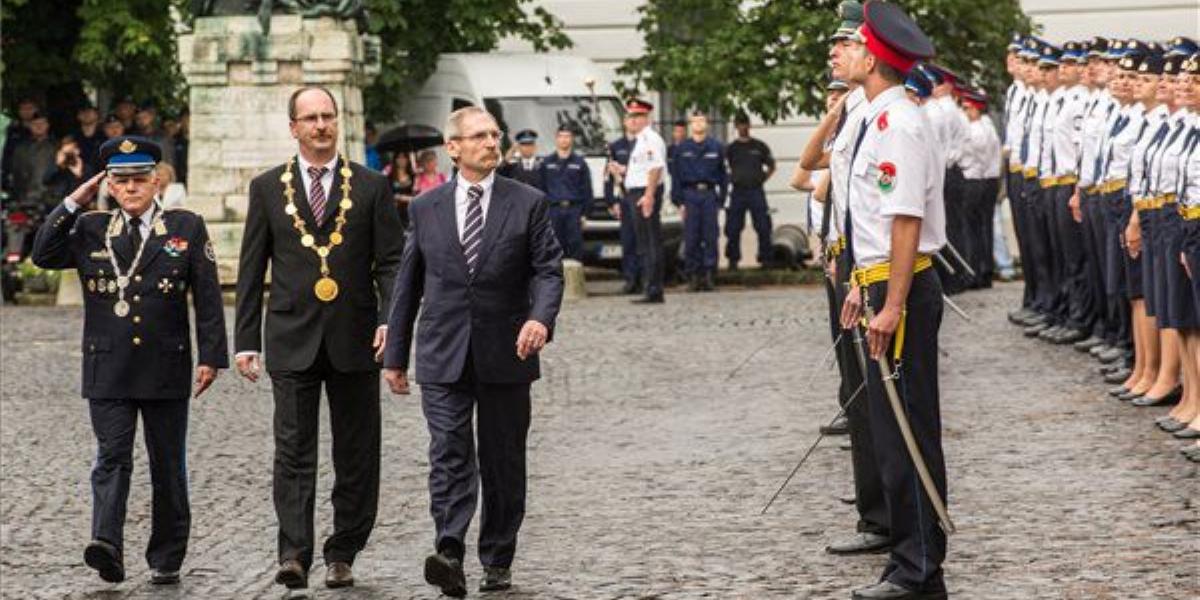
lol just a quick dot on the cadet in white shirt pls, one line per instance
(1186, 186)
(981, 172)
(1018, 104)
(950, 124)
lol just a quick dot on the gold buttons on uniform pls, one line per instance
(137, 298)
(137, 341)
(137, 319)
(137, 278)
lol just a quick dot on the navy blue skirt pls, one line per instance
(1178, 305)
(1148, 219)
(1191, 249)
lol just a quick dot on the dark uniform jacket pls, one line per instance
(515, 169)
(518, 277)
(364, 267)
(618, 152)
(147, 354)
(567, 180)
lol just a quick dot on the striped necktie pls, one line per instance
(316, 193)
(472, 233)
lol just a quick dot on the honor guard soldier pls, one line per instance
(702, 182)
(525, 166)
(895, 222)
(614, 196)
(137, 263)
(567, 182)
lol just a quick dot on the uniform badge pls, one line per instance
(160, 228)
(164, 285)
(91, 285)
(882, 121)
(211, 254)
(100, 255)
(127, 146)
(887, 176)
(175, 246)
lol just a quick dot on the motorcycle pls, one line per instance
(21, 221)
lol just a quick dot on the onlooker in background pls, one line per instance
(32, 160)
(147, 126)
(401, 177)
(370, 135)
(112, 127)
(181, 138)
(14, 136)
(71, 172)
(170, 192)
(429, 176)
(125, 109)
(88, 135)
(750, 166)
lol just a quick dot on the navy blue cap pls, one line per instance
(1049, 56)
(918, 83)
(1173, 65)
(1151, 64)
(129, 155)
(1031, 48)
(1130, 61)
(526, 136)
(1191, 66)
(1074, 52)
(1015, 43)
(851, 14)
(1098, 47)
(1182, 46)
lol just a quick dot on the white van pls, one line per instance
(541, 92)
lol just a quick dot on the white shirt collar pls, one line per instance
(304, 164)
(884, 100)
(463, 185)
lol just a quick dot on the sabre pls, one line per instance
(910, 442)
(960, 259)
(945, 263)
(769, 341)
(954, 307)
(814, 445)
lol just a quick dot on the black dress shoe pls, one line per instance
(631, 287)
(1170, 399)
(839, 427)
(1036, 319)
(861, 543)
(495, 579)
(1017, 317)
(161, 577)
(886, 590)
(338, 574)
(1096, 350)
(292, 575)
(106, 560)
(1034, 330)
(1112, 355)
(709, 283)
(446, 573)
(1070, 336)
(655, 299)
(1118, 376)
(1187, 433)
(1088, 343)
(1049, 332)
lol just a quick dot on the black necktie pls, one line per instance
(135, 232)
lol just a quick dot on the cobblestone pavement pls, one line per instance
(649, 466)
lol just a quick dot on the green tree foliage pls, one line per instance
(128, 48)
(415, 32)
(770, 57)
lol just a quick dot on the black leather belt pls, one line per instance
(562, 203)
(702, 186)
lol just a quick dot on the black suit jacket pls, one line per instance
(364, 266)
(146, 355)
(518, 278)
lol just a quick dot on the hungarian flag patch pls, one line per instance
(887, 176)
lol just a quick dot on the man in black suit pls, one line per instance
(482, 255)
(329, 231)
(136, 264)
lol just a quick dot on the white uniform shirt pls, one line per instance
(1015, 121)
(981, 151)
(649, 152)
(839, 158)
(1138, 184)
(1068, 129)
(1189, 170)
(1126, 132)
(461, 202)
(1097, 122)
(1033, 133)
(898, 170)
(1054, 105)
(1165, 168)
(950, 126)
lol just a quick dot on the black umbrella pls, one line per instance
(409, 138)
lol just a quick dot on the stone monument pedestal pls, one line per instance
(240, 82)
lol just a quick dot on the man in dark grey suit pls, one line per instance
(329, 232)
(481, 254)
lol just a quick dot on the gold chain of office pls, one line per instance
(326, 288)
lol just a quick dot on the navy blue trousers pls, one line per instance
(114, 423)
(700, 231)
(741, 201)
(630, 265)
(568, 229)
(457, 466)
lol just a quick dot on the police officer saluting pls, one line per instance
(895, 221)
(568, 186)
(137, 263)
(700, 167)
(525, 167)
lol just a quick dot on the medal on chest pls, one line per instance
(121, 283)
(326, 287)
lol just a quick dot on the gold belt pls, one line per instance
(881, 272)
(1030, 173)
(1166, 199)
(1049, 182)
(1190, 213)
(1143, 204)
(1115, 185)
(1015, 169)
(836, 248)
(1093, 190)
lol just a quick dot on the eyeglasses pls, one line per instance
(478, 138)
(313, 119)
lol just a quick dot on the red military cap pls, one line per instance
(892, 36)
(637, 106)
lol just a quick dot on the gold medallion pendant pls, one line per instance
(326, 289)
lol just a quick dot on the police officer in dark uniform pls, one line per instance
(700, 169)
(137, 264)
(525, 166)
(567, 182)
(750, 166)
(614, 196)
